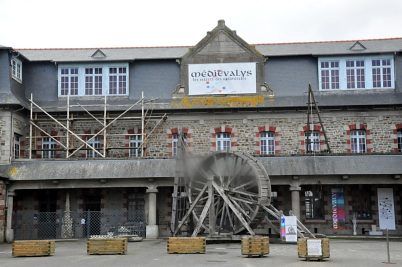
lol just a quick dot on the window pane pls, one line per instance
(267, 143)
(223, 142)
(358, 141)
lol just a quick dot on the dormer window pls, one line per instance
(93, 80)
(16, 69)
(356, 73)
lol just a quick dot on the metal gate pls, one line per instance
(67, 225)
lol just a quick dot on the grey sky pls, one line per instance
(116, 23)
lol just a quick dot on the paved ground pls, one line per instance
(367, 253)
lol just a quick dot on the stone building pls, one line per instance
(89, 136)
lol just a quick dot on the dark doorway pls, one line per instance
(92, 214)
(47, 224)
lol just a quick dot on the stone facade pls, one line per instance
(243, 128)
(2, 210)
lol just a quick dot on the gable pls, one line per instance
(222, 63)
(222, 45)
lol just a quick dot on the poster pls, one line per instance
(290, 228)
(338, 208)
(386, 212)
(222, 78)
(314, 247)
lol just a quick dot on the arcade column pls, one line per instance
(295, 195)
(152, 229)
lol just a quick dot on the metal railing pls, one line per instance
(72, 225)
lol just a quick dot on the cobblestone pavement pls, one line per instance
(354, 253)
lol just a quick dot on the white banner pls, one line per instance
(291, 228)
(386, 212)
(222, 79)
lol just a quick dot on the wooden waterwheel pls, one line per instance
(225, 192)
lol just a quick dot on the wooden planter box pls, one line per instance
(26, 248)
(313, 248)
(184, 245)
(107, 246)
(255, 246)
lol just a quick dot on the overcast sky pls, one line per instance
(121, 23)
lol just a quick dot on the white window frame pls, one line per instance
(312, 141)
(105, 78)
(358, 141)
(267, 143)
(95, 142)
(48, 146)
(16, 69)
(223, 142)
(368, 71)
(17, 146)
(135, 146)
(399, 139)
(175, 142)
(67, 78)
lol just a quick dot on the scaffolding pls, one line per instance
(105, 122)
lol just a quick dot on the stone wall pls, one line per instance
(5, 136)
(289, 132)
(2, 210)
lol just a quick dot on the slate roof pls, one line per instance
(327, 48)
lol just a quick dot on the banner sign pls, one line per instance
(386, 212)
(283, 228)
(289, 228)
(338, 208)
(222, 78)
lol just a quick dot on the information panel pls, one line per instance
(386, 212)
(222, 79)
(314, 247)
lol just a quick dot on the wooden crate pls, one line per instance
(303, 249)
(186, 245)
(107, 246)
(26, 248)
(255, 245)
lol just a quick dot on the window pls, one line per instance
(93, 81)
(399, 139)
(117, 81)
(381, 73)
(16, 69)
(48, 148)
(361, 203)
(69, 81)
(17, 146)
(330, 74)
(223, 142)
(358, 141)
(347, 73)
(97, 79)
(314, 203)
(267, 142)
(312, 141)
(135, 208)
(95, 143)
(135, 145)
(355, 74)
(175, 142)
